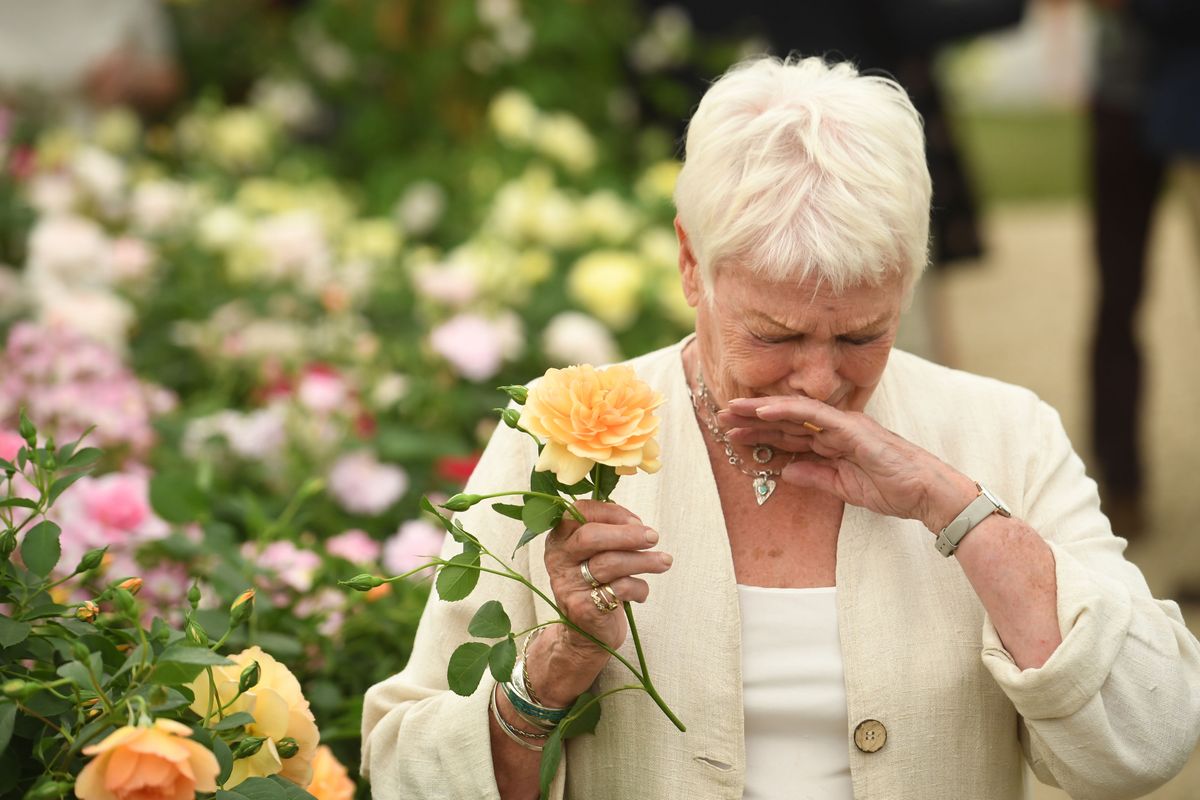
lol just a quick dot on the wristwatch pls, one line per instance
(980, 509)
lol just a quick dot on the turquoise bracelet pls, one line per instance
(547, 716)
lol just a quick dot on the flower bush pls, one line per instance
(282, 308)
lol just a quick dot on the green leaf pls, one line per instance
(526, 537)
(261, 789)
(587, 721)
(175, 674)
(224, 758)
(575, 489)
(13, 632)
(84, 458)
(551, 755)
(466, 667)
(543, 481)
(40, 550)
(456, 579)
(18, 502)
(179, 653)
(490, 621)
(234, 721)
(540, 514)
(169, 698)
(502, 658)
(176, 498)
(46, 610)
(77, 673)
(60, 485)
(606, 478)
(292, 791)
(427, 505)
(507, 509)
(8, 716)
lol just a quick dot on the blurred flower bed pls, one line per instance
(285, 316)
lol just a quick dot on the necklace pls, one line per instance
(706, 411)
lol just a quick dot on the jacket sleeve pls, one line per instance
(421, 740)
(1115, 711)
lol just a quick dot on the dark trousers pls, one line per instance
(1127, 180)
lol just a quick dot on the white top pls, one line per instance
(794, 694)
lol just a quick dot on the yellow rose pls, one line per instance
(657, 183)
(589, 416)
(608, 283)
(330, 780)
(154, 763)
(279, 710)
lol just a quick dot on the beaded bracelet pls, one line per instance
(511, 732)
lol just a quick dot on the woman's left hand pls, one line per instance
(849, 455)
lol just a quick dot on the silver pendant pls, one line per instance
(763, 454)
(764, 487)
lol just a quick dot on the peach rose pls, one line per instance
(154, 763)
(589, 416)
(279, 710)
(330, 780)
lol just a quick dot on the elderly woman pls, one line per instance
(864, 575)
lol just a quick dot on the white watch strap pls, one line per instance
(979, 509)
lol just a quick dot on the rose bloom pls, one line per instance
(363, 485)
(10, 443)
(414, 544)
(279, 710)
(589, 416)
(154, 763)
(330, 780)
(354, 545)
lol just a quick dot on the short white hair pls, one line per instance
(795, 168)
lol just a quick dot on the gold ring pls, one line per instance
(611, 594)
(587, 573)
(601, 601)
(810, 426)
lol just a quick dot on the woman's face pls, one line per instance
(758, 338)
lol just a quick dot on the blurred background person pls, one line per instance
(77, 56)
(1144, 116)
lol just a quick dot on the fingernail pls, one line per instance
(651, 535)
(667, 560)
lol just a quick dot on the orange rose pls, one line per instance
(279, 710)
(330, 781)
(589, 416)
(154, 763)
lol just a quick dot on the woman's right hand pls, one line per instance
(561, 663)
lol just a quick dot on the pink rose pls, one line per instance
(362, 485)
(113, 510)
(322, 390)
(473, 346)
(415, 543)
(294, 568)
(10, 443)
(355, 546)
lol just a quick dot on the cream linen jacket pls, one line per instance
(1114, 712)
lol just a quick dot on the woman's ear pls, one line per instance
(689, 270)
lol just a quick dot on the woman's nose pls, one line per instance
(814, 371)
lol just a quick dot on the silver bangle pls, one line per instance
(511, 732)
(530, 694)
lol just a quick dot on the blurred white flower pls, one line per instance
(496, 12)
(514, 117)
(258, 435)
(533, 209)
(363, 485)
(328, 58)
(389, 390)
(101, 174)
(239, 138)
(12, 293)
(515, 38)
(295, 247)
(290, 103)
(657, 183)
(96, 313)
(67, 251)
(573, 337)
(608, 218)
(159, 206)
(118, 130)
(564, 138)
(420, 208)
(221, 227)
(52, 193)
(664, 43)
(472, 344)
(132, 259)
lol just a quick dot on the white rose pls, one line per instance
(95, 313)
(514, 117)
(564, 138)
(573, 337)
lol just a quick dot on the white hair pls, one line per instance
(796, 167)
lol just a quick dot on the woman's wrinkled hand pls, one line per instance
(849, 455)
(617, 548)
